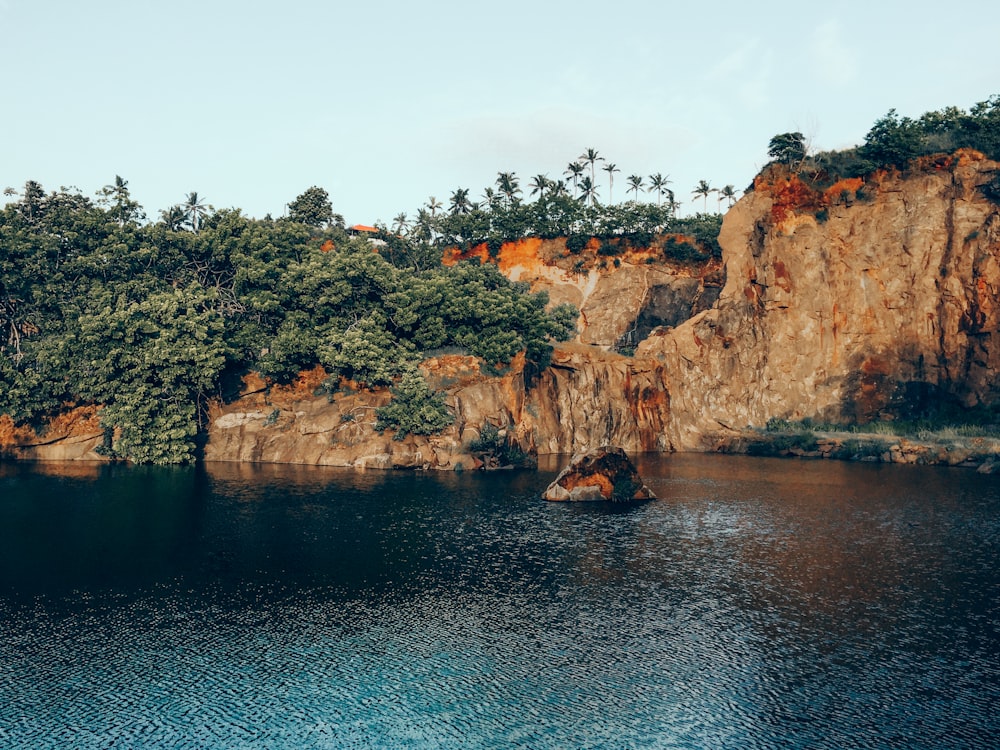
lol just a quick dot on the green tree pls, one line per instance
(658, 183)
(611, 169)
(574, 170)
(702, 190)
(415, 409)
(195, 209)
(591, 157)
(635, 185)
(588, 191)
(460, 203)
(122, 208)
(787, 148)
(540, 184)
(892, 141)
(507, 184)
(312, 208)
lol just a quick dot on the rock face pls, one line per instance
(620, 298)
(869, 300)
(586, 396)
(867, 303)
(601, 474)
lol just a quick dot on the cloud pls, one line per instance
(834, 62)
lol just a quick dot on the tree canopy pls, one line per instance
(152, 320)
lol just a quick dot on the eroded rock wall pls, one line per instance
(856, 308)
(586, 399)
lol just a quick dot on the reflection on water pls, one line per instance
(759, 603)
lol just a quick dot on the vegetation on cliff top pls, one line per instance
(895, 141)
(553, 208)
(153, 320)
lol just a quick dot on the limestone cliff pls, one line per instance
(622, 292)
(866, 300)
(857, 303)
(587, 397)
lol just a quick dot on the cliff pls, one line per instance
(858, 301)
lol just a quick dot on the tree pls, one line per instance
(195, 209)
(173, 218)
(591, 157)
(540, 183)
(313, 208)
(459, 202)
(116, 196)
(892, 141)
(400, 224)
(634, 185)
(611, 168)
(433, 206)
(507, 184)
(415, 409)
(658, 183)
(557, 188)
(574, 171)
(588, 191)
(787, 148)
(729, 193)
(703, 190)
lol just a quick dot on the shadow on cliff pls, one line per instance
(882, 387)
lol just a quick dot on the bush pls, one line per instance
(415, 409)
(575, 243)
(491, 443)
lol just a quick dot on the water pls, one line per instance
(759, 604)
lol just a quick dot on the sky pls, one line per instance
(384, 104)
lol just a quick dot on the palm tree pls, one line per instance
(729, 193)
(575, 171)
(433, 206)
(400, 224)
(672, 203)
(611, 169)
(659, 182)
(591, 157)
(540, 183)
(588, 191)
(195, 209)
(173, 218)
(508, 185)
(635, 185)
(460, 201)
(557, 188)
(702, 190)
(423, 227)
(491, 198)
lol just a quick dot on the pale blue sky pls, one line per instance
(386, 103)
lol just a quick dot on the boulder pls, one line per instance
(602, 474)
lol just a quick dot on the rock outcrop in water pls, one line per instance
(600, 474)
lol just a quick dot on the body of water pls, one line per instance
(758, 604)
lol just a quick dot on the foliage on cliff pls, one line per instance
(894, 141)
(151, 320)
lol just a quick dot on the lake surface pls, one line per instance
(759, 603)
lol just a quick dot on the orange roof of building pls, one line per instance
(363, 228)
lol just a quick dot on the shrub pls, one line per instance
(576, 243)
(491, 443)
(415, 409)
